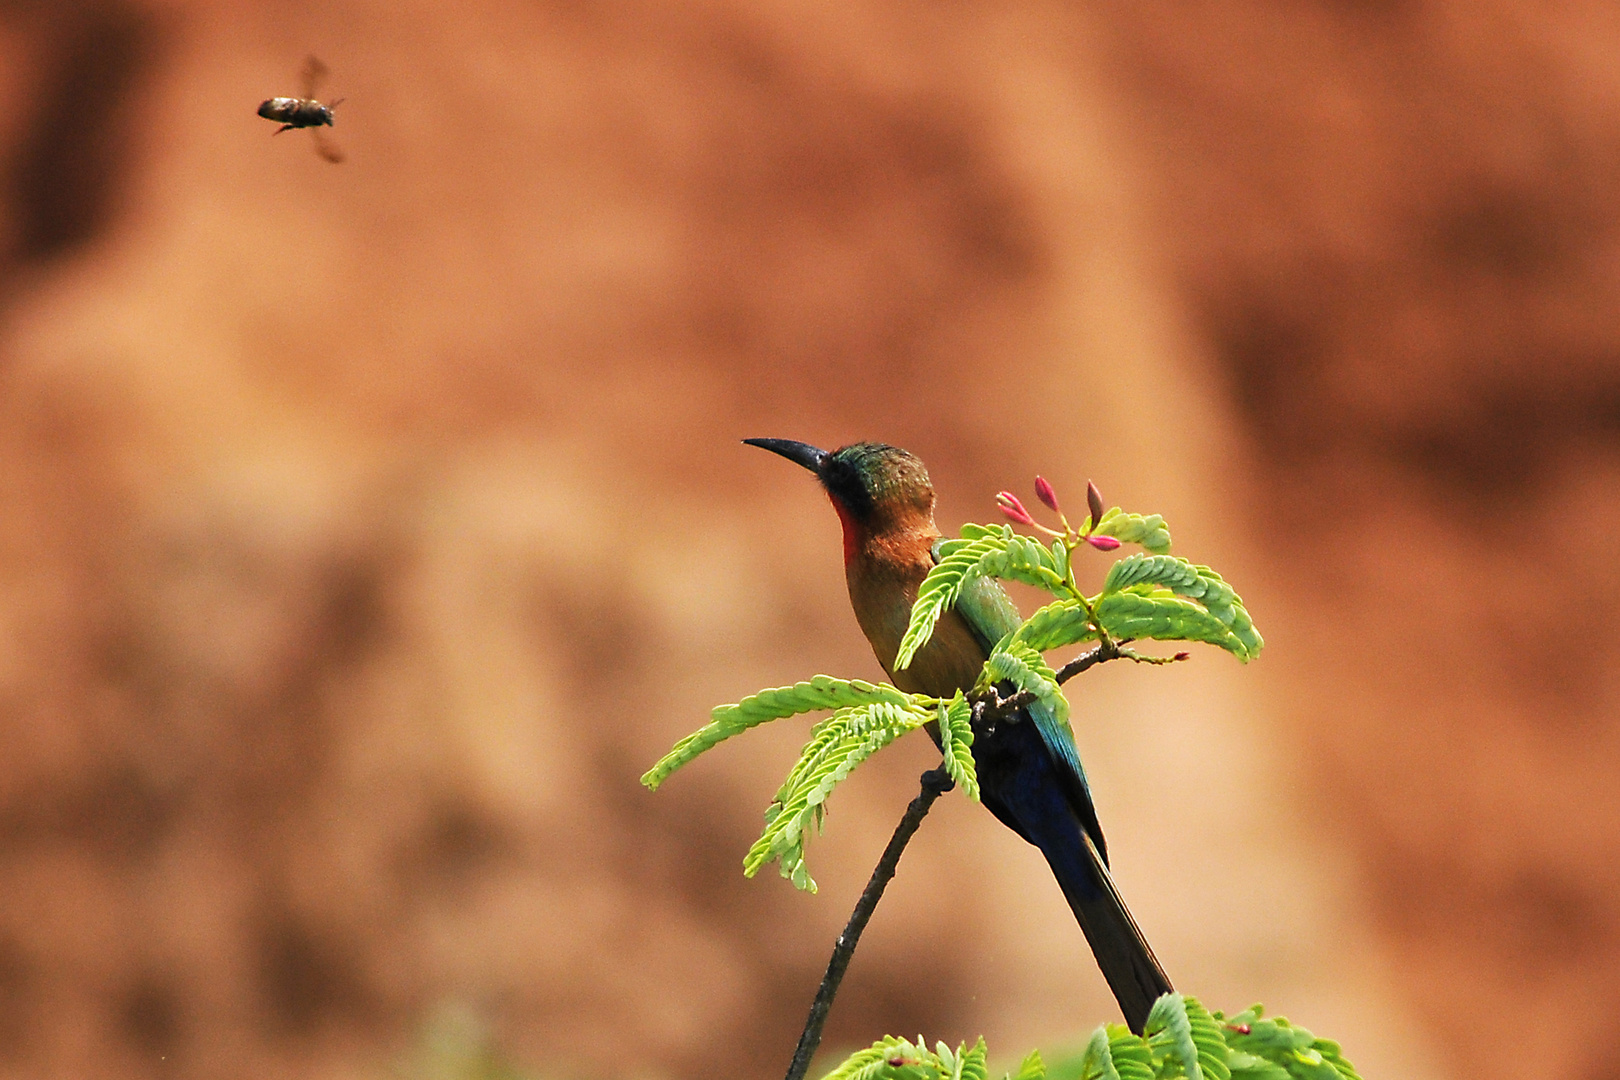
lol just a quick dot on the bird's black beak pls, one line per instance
(801, 453)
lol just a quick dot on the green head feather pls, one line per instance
(871, 478)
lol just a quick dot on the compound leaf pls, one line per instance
(981, 552)
(836, 747)
(1208, 1037)
(1270, 1048)
(970, 1064)
(1148, 531)
(821, 692)
(1098, 1063)
(1033, 1068)
(1015, 662)
(1168, 1027)
(1194, 582)
(959, 563)
(889, 1059)
(1060, 623)
(1164, 616)
(1132, 1057)
(956, 744)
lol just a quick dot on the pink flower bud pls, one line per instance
(1048, 496)
(1184, 656)
(1094, 502)
(1013, 508)
(1102, 543)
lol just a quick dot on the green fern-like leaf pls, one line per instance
(1014, 661)
(837, 731)
(846, 739)
(1247, 1066)
(1210, 1040)
(959, 563)
(1028, 560)
(1098, 1063)
(1272, 1048)
(1334, 1056)
(1167, 570)
(868, 1064)
(1033, 1068)
(1169, 1030)
(1309, 1064)
(1183, 1041)
(968, 1063)
(1112, 1052)
(825, 736)
(982, 552)
(956, 744)
(1194, 582)
(1060, 623)
(1148, 531)
(1060, 558)
(821, 692)
(1161, 615)
(1187, 1041)
(1132, 1057)
(889, 1059)
(836, 747)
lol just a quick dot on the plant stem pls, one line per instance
(1108, 649)
(991, 706)
(935, 782)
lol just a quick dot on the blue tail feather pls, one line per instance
(1027, 790)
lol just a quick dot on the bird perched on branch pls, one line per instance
(1029, 771)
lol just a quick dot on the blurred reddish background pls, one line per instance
(366, 530)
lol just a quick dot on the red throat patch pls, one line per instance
(854, 534)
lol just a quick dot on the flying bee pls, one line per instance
(306, 112)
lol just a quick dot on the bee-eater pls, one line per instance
(1029, 771)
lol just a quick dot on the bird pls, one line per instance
(1028, 766)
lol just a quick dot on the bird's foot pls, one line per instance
(938, 780)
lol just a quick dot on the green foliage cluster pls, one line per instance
(903, 1060)
(866, 717)
(1147, 595)
(1181, 1041)
(996, 551)
(1155, 596)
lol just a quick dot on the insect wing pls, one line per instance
(313, 74)
(325, 147)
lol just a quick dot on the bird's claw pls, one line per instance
(938, 780)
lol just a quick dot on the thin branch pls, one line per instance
(987, 707)
(935, 782)
(1105, 650)
(991, 706)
